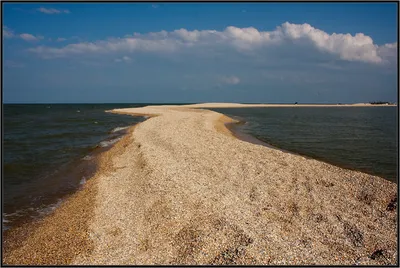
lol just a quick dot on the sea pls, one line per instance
(49, 150)
(357, 138)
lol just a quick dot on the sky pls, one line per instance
(199, 52)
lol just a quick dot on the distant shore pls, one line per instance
(181, 189)
(249, 105)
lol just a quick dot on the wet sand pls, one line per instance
(181, 189)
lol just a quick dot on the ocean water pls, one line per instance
(49, 151)
(360, 138)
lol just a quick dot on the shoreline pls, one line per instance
(75, 173)
(206, 224)
(260, 105)
(29, 232)
(237, 133)
(60, 181)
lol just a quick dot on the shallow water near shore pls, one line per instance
(359, 138)
(50, 151)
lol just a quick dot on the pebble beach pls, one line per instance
(181, 189)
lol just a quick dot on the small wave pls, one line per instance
(109, 142)
(48, 209)
(88, 157)
(83, 181)
(17, 213)
(117, 129)
(33, 213)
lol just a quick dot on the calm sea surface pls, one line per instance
(49, 149)
(48, 152)
(361, 138)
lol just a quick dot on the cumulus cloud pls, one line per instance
(230, 80)
(346, 47)
(30, 37)
(60, 39)
(53, 10)
(354, 48)
(8, 33)
(388, 52)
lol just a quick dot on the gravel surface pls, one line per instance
(180, 189)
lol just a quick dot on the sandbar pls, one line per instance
(180, 189)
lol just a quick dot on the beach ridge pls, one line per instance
(182, 189)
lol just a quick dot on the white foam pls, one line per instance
(83, 181)
(109, 142)
(17, 213)
(118, 129)
(88, 157)
(48, 209)
(38, 213)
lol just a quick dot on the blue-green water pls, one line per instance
(48, 152)
(361, 138)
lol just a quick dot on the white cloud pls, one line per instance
(53, 10)
(388, 52)
(154, 6)
(119, 45)
(30, 37)
(230, 80)
(353, 48)
(7, 32)
(123, 59)
(244, 40)
(60, 39)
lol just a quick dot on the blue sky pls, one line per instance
(199, 52)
